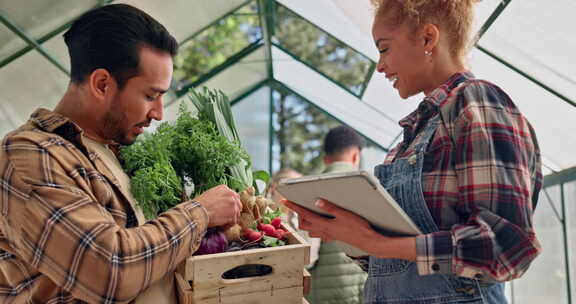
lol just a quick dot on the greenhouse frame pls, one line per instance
(523, 46)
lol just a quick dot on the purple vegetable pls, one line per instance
(213, 242)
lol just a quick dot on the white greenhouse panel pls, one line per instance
(537, 39)
(183, 18)
(56, 47)
(252, 116)
(39, 17)
(532, 288)
(239, 77)
(28, 83)
(384, 98)
(333, 99)
(10, 43)
(349, 21)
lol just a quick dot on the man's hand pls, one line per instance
(223, 205)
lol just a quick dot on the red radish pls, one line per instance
(252, 235)
(259, 226)
(269, 230)
(276, 222)
(281, 233)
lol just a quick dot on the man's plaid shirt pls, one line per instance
(67, 233)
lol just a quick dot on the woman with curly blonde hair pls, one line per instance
(468, 171)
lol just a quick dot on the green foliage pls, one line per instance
(190, 150)
(260, 175)
(156, 188)
(299, 130)
(269, 241)
(320, 50)
(202, 155)
(154, 182)
(214, 45)
(214, 106)
(299, 127)
(270, 215)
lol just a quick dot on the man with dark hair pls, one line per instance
(70, 231)
(336, 278)
(342, 147)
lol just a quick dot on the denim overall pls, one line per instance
(397, 281)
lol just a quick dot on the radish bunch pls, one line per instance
(267, 230)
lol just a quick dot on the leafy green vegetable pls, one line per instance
(154, 182)
(260, 175)
(214, 106)
(270, 215)
(202, 155)
(191, 151)
(272, 241)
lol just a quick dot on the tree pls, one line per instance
(213, 46)
(321, 51)
(298, 126)
(299, 129)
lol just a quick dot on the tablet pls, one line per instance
(356, 191)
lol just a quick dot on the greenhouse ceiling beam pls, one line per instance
(285, 87)
(392, 143)
(329, 34)
(249, 91)
(534, 80)
(566, 240)
(267, 10)
(368, 78)
(216, 21)
(495, 14)
(325, 31)
(32, 43)
(562, 177)
(43, 39)
(298, 59)
(251, 48)
(332, 80)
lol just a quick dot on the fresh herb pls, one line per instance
(272, 241)
(214, 106)
(188, 152)
(154, 182)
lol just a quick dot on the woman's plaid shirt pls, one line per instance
(481, 180)
(67, 233)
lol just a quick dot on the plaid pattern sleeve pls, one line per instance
(481, 181)
(63, 234)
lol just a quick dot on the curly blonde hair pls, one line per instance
(454, 17)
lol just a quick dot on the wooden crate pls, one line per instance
(202, 282)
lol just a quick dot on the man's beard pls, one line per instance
(113, 130)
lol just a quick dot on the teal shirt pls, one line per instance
(339, 166)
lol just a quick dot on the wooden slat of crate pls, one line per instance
(294, 239)
(307, 281)
(280, 296)
(205, 272)
(291, 295)
(208, 280)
